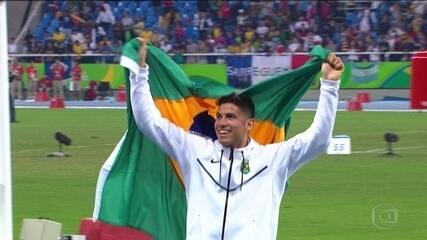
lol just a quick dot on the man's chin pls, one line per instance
(225, 143)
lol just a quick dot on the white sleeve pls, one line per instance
(315, 140)
(173, 140)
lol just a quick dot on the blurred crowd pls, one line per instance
(231, 27)
(379, 28)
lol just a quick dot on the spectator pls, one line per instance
(203, 25)
(78, 48)
(105, 19)
(262, 29)
(353, 49)
(302, 24)
(38, 47)
(234, 47)
(374, 57)
(104, 46)
(192, 47)
(294, 46)
(168, 5)
(384, 25)
(58, 70)
(289, 18)
(324, 10)
(76, 73)
(66, 25)
(12, 109)
(241, 18)
(29, 42)
(117, 48)
(16, 87)
(345, 42)
(12, 45)
(364, 20)
(98, 33)
(118, 33)
(127, 21)
(245, 47)
(224, 13)
(31, 79)
(11, 100)
(178, 33)
(58, 39)
(76, 18)
(77, 36)
(106, 6)
(165, 45)
(220, 48)
(91, 91)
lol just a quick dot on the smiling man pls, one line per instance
(234, 119)
(234, 185)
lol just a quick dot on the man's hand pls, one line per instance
(332, 68)
(142, 52)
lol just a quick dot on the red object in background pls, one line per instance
(419, 81)
(97, 230)
(42, 97)
(121, 94)
(363, 97)
(354, 105)
(299, 60)
(57, 103)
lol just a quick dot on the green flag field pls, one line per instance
(358, 196)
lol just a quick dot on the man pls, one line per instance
(76, 73)
(45, 85)
(58, 70)
(16, 86)
(11, 100)
(234, 185)
(31, 79)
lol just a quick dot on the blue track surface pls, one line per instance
(303, 105)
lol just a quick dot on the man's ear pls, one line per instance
(250, 123)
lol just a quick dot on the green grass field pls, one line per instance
(330, 198)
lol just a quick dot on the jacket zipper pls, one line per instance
(228, 192)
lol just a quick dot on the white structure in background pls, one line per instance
(5, 163)
(40, 229)
(340, 144)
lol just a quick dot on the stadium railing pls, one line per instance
(210, 57)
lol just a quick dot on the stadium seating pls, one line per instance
(342, 17)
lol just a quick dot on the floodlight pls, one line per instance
(62, 139)
(390, 138)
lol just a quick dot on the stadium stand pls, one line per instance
(231, 26)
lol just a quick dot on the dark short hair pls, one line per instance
(244, 103)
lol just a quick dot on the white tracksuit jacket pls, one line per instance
(254, 198)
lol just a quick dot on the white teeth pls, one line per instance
(222, 131)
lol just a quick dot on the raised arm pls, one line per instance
(305, 146)
(170, 138)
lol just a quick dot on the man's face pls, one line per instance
(232, 126)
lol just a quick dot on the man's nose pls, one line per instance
(221, 122)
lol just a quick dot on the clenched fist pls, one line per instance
(332, 68)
